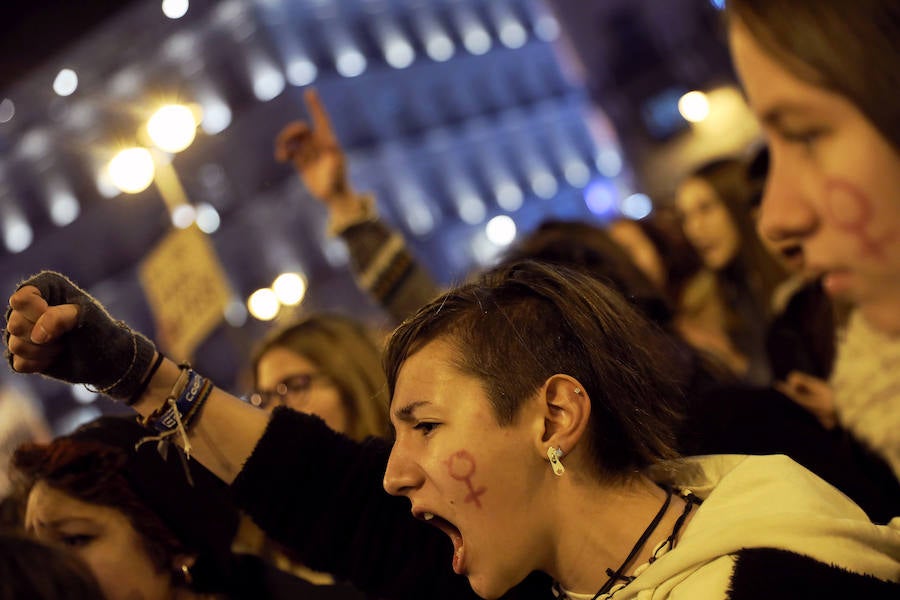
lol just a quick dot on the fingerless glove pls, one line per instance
(100, 351)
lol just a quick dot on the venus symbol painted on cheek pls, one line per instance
(852, 212)
(461, 466)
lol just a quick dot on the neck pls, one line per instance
(884, 319)
(597, 531)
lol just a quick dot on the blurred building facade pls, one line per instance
(453, 112)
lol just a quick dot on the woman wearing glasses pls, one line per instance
(326, 365)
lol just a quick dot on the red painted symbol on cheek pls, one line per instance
(461, 466)
(851, 211)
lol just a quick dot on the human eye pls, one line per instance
(76, 540)
(426, 427)
(296, 384)
(804, 136)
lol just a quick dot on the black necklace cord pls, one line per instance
(690, 500)
(616, 575)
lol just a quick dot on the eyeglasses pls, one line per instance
(298, 384)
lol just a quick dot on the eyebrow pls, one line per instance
(775, 115)
(405, 414)
(55, 523)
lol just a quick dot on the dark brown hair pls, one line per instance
(586, 247)
(732, 185)
(848, 47)
(172, 513)
(94, 473)
(518, 324)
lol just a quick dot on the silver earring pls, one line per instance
(186, 574)
(554, 454)
(577, 390)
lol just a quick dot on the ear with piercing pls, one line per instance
(554, 454)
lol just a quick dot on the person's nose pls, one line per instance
(786, 212)
(403, 474)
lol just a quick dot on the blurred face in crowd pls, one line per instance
(640, 249)
(466, 474)
(707, 224)
(833, 186)
(101, 536)
(285, 377)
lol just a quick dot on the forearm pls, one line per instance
(385, 268)
(224, 432)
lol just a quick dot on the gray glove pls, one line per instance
(99, 351)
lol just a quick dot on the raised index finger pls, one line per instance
(319, 116)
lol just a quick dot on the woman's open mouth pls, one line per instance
(452, 532)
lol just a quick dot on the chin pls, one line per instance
(486, 587)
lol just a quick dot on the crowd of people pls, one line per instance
(634, 410)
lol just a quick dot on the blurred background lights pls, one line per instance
(509, 195)
(7, 110)
(395, 48)
(439, 47)
(609, 162)
(510, 31)
(577, 173)
(475, 37)
(471, 209)
(263, 304)
(183, 216)
(544, 184)
(268, 82)
(546, 27)
(477, 41)
(350, 62)
(236, 313)
(399, 53)
(216, 115)
(290, 288)
(694, 106)
(132, 170)
(718, 4)
(64, 207)
(301, 71)
(208, 219)
(35, 144)
(175, 9)
(636, 206)
(105, 184)
(501, 230)
(172, 128)
(599, 198)
(65, 83)
(17, 233)
(419, 219)
(126, 83)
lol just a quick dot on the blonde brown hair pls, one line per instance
(346, 352)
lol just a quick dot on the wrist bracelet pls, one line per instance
(160, 357)
(180, 409)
